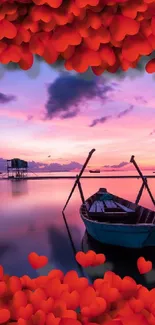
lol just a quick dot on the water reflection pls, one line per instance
(19, 187)
(50, 241)
(31, 219)
(61, 249)
(122, 261)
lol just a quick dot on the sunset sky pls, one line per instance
(50, 112)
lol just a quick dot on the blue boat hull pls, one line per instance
(134, 236)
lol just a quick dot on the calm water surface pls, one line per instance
(31, 220)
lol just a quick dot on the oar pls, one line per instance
(79, 176)
(143, 178)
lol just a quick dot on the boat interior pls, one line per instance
(106, 207)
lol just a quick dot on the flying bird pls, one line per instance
(49, 156)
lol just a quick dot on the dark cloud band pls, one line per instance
(4, 99)
(69, 92)
(104, 119)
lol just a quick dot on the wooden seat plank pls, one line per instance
(150, 217)
(93, 207)
(110, 204)
(100, 206)
(125, 208)
(97, 207)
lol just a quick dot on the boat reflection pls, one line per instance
(121, 260)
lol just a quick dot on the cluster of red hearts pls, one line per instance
(67, 299)
(101, 34)
(92, 259)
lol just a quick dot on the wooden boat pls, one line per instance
(112, 220)
(94, 171)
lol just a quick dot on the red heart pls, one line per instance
(128, 287)
(19, 300)
(85, 259)
(69, 314)
(36, 298)
(4, 315)
(80, 258)
(22, 321)
(136, 305)
(90, 257)
(71, 299)
(56, 274)
(143, 265)
(3, 288)
(87, 297)
(97, 307)
(81, 284)
(52, 320)
(26, 312)
(39, 318)
(59, 308)
(71, 278)
(27, 282)
(14, 284)
(37, 261)
(108, 293)
(47, 305)
(99, 260)
(53, 288)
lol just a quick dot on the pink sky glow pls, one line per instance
(27, 133)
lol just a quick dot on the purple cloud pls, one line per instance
(100, 120)
(38, 166)
(68, 92)
(104, 119)
(4, 99)
(141, 99)
(122, 164)
(125, 112)
(53, 167)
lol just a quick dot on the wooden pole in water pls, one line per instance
(79, 176)
(140, 193)
(73, 246)
(143, 178)
(81, 191)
